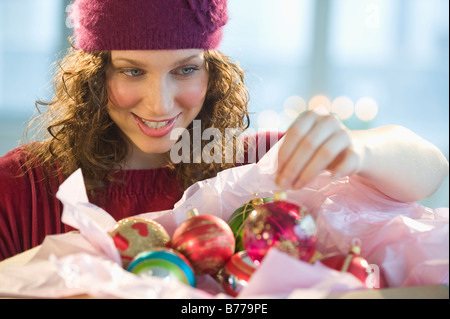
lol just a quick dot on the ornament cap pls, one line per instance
(279, 196)
(355, 250)
(257, 202)
(192, 212)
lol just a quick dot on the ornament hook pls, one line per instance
(356, 242)
(356, 246)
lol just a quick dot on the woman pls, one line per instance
(141, 75)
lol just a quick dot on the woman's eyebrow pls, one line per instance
(188, 59)
(131, 61)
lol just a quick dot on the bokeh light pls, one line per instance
(366, 109)
(319, 100)
(293, 106)
(343, 107)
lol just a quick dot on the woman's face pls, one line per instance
(150, 94)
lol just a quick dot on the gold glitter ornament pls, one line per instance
(134, 235)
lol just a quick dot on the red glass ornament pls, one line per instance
(206, 240)
(280, 224)
(237, 219)
(353, 263)
(236, 273)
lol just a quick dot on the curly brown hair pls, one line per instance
(78, 132)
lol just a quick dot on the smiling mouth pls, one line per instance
(156, 128)
(155, 125)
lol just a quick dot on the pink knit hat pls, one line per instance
(148, 24)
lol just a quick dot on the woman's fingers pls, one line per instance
(313, 143)
(290, 159)
(349, 163)
(329, 152)
(293, 136)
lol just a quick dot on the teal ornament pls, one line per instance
(165, 263)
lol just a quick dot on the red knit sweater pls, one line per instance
(29, 209)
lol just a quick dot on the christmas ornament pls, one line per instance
(280, 224)
(355, 264)
(165, 263)
(236, 220)
(206, 240)
(134, 235)
(236, 273)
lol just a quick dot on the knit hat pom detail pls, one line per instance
(209, 13)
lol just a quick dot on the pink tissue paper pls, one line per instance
(408, 242)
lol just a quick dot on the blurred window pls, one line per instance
(30, 37)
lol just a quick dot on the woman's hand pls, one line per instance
(313, 143)
(392, 158)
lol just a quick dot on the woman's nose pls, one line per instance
(160, 97)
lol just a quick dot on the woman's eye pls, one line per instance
(186, 70)
(133, 72)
